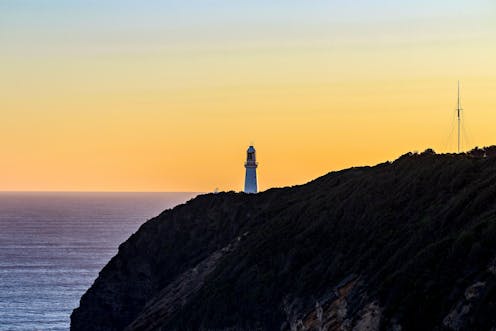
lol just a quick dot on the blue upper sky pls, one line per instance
(133, 24)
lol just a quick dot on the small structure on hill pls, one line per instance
(251, 185)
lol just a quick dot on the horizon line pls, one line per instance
(92, 191)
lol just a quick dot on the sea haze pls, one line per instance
(52, 246)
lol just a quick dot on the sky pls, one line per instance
(167, 95)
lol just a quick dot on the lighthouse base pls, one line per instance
(251, 185)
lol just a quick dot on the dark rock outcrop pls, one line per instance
(408, 245)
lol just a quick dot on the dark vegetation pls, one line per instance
(417, 232)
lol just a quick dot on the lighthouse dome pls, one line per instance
(251, 149)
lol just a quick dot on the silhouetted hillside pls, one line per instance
(407, 245)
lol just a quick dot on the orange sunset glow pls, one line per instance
(167, 97)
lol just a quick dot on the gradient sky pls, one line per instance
(167, 95)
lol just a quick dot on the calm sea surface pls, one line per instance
(52, 246)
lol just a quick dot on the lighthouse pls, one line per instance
(251, 165)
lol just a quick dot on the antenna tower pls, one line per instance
(458, 114)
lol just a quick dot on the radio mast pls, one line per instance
(458, 113)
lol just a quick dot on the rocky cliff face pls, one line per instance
(408, 245)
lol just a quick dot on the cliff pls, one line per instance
(407, 245)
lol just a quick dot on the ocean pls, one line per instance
(52, 246)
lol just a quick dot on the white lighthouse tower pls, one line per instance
(251, 165)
